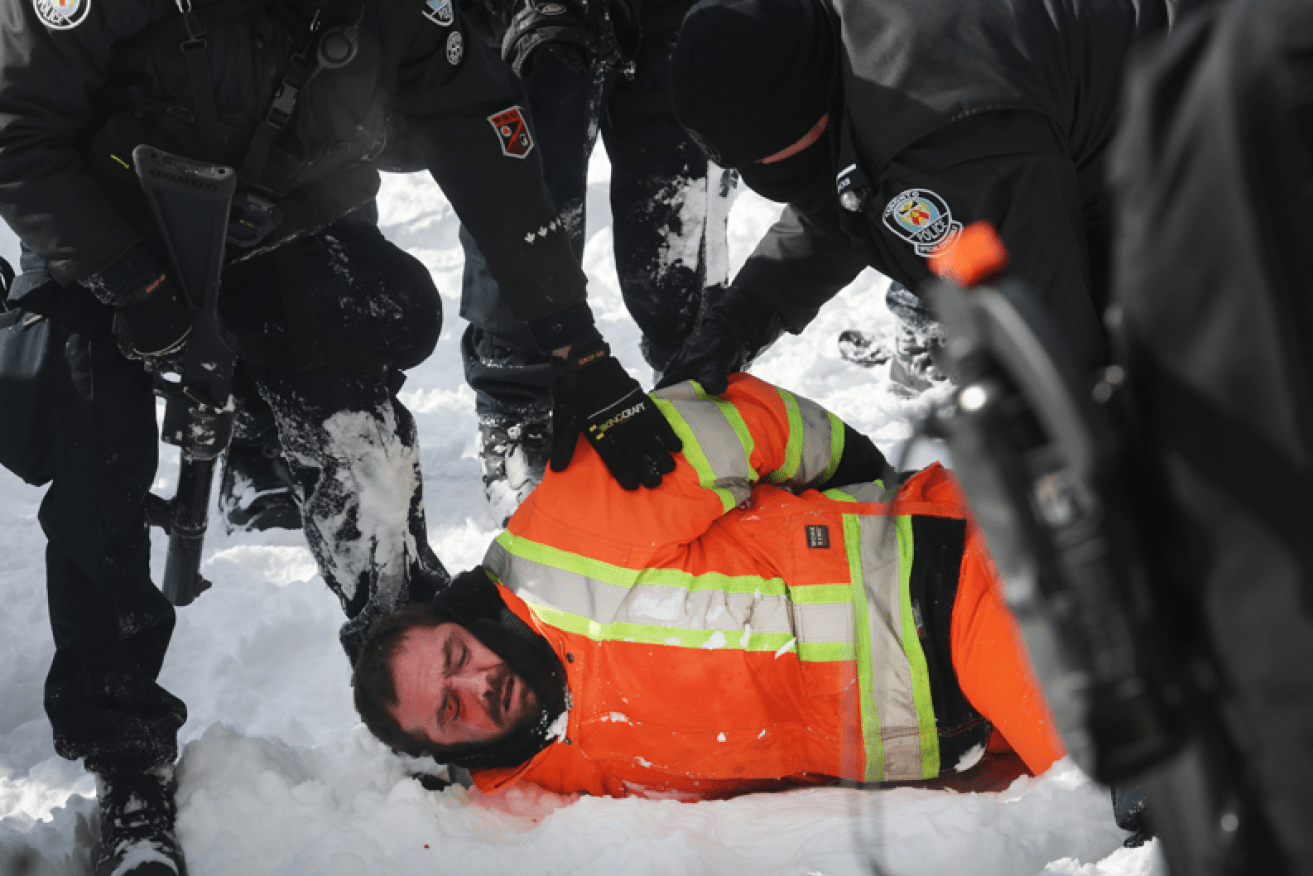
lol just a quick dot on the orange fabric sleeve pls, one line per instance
(992, 665)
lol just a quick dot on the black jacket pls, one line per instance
(955, 113)
(74, 101)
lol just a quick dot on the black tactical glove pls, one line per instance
(728, 337)
(594, 395)
(583, 33)
(150, 319)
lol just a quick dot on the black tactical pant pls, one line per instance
(669, 210)
(91, 414)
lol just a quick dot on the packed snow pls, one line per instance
(277, 776)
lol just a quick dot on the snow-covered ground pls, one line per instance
(278, 777)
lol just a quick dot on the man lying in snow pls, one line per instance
(699, 638)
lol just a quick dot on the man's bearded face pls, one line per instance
(454, 691)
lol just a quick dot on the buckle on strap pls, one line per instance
(284, 102)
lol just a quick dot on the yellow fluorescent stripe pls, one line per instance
(793, 447)
(865, 674)
(839, 496)
(826, 652)
(836, 448)
(693, 450)
(619, 576)
(734, 640)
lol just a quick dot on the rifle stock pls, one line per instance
(190, 202)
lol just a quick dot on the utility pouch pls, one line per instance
(30, 350)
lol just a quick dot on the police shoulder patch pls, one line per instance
(62, 14)
(923, 219)
(440, 12)
(513, 131)
(455, 47)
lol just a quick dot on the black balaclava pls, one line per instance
(805, 180)
(473, 602)
(751, 77)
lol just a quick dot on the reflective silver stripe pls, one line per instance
(891, 676)
(667, 599)
(824, 623)
(719, 441)
(817, 443)
(870, 492)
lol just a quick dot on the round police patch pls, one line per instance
(62, 14)
(923, 219)
(455, 48)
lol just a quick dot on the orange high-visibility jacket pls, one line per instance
(734, 630)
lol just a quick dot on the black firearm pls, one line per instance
(190, 201)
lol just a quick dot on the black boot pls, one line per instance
(137, 817)
(255, 489)
(1130, 810)
(514, 454)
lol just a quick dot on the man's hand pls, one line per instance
(727, 339)
(150, 319)
(152, 323)
(594, 395)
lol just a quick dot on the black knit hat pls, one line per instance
(751, 77)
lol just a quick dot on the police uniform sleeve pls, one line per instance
(1010, 169)
(467, 115)
(54, 56)
(797, 267)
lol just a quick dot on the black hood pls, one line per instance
(472, 601)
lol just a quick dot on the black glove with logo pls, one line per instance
(595, 395)
(583, 33)
(150, 320)
(729, 336)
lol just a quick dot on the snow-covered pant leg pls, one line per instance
(670, 205)
(349, 442)
(111, 625)
(354, 454)
(510, 377)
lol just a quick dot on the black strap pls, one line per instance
(202, 87)
(188, 31)
(170, 32)
(299, 72)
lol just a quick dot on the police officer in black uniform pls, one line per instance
(299, 96)
(594, 69)
(887, 127)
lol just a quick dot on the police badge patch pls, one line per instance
(455, 48)
(439, 12)
(62, 14)
(513, 132)
(923, 219)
